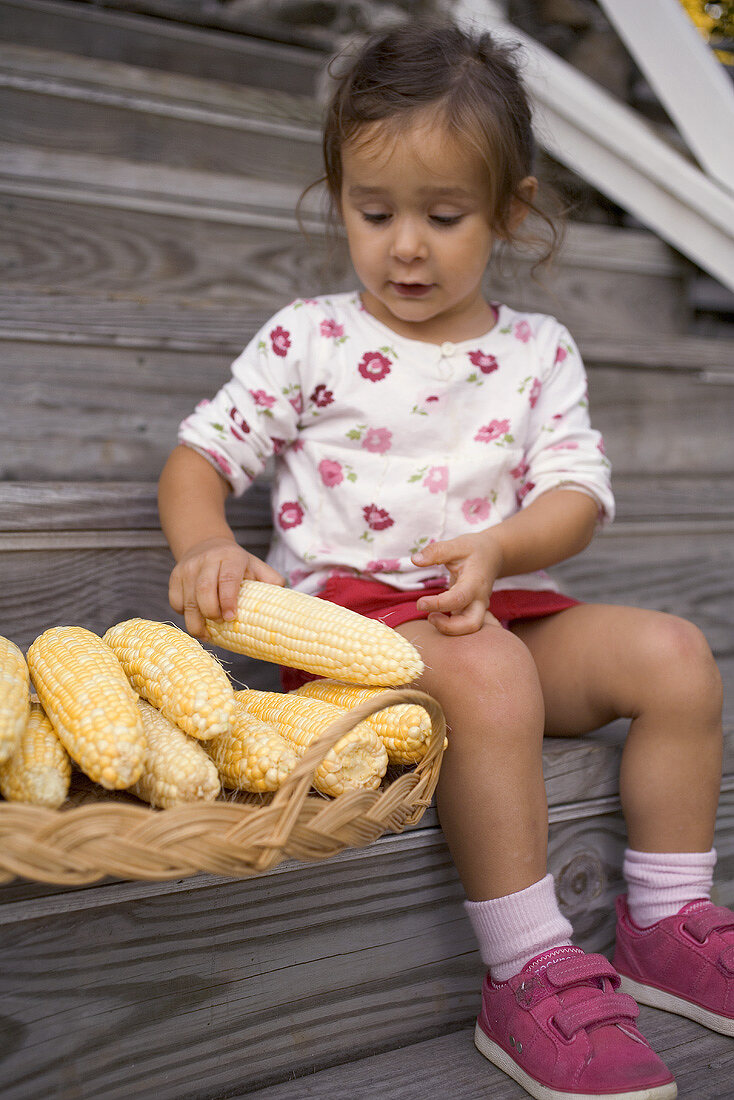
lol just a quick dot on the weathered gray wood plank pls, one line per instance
(95, 506)
(72, 104)
(96, 584)
(449, 1065)
(64, 246)
(653, 422)
(242, 984)
(180, 234)
(160, 44)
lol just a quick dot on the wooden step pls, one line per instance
(95, 554)
(161, 44)
(211, 987)
(90, 223)
(701, 1061)
(72, 104)
(663, 403)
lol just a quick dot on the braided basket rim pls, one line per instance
(82, 844)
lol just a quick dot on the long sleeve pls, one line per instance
(256, 413)
(563, 447)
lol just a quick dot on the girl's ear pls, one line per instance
(520, 203)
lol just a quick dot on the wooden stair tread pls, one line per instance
(701, 1061)
(120, 180)
(138, 88)
(224, 324)
(157, 43)
(246, 983)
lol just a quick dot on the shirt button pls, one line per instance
(447, 349)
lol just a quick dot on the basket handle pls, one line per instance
(290, 795)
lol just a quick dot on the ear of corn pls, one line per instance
(175, 673)
(15, 700)
(405, 729)
(306, 632)
(88, 698)
(176, 769)
(357, 761)
(253, 756)
(39, 771)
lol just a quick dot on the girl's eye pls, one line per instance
(446, 219)
(374, 219)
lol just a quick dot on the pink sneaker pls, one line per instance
(560, 1029)
(683, 964)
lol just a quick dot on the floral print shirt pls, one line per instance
(383, 444)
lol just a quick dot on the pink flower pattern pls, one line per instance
(383, 565)
(280, 340)
(262, 399)
(437, 479)
(366, 421)
(377, 519)
(377, 440)
(329, 327)
(374, 365)
(239, 426)
(535, 392)
(331, 472)
(321, 397)
(492, 431)
(290, 515)
(486, 363)
(476, 510)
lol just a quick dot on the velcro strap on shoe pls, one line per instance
(582, 968)
(605, 1008)
(726, 958)
(705, 921)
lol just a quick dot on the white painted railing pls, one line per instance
(616, 150)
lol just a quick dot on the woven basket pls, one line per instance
(81, 844)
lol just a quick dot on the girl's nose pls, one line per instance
(408, 242)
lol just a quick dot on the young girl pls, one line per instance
(433, 453)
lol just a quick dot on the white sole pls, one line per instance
(495, 1054)
(657, 998)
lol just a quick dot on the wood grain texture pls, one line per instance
(160, 44)
(110, 413)
(73, 247)
(671, 573)
(449, 1065)
(75, 125)
(95, 506)
(224, 247)
(242, 984)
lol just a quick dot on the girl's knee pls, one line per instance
(676, 657)
(493, 672)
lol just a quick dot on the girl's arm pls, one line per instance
(210, 563)
(557, 525)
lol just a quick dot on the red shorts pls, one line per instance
(393, 606)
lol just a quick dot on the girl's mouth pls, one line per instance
(412, 290)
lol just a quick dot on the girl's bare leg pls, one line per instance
(599, 662)
(491, 795)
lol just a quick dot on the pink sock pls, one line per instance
(661, 883)
(514, 929)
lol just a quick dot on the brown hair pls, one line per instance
(475, 87)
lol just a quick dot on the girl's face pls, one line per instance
(415, 205)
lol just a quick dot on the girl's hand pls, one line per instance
(205, 582)
(474, 563)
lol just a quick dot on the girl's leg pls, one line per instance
(673, 947)
(491, 795)
(493, 811)
(601, 662)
